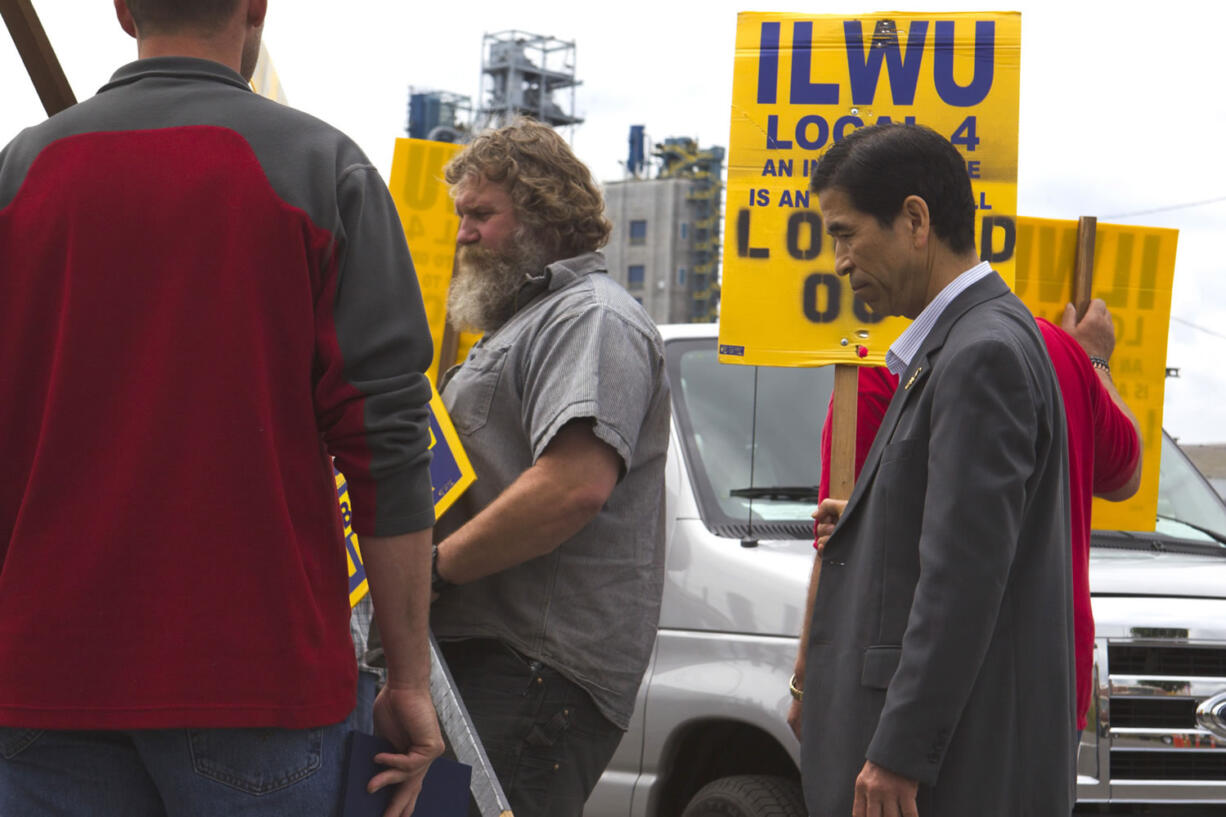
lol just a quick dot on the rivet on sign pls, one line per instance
(862, 351)
(843, 342)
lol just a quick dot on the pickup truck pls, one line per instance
(709, 735)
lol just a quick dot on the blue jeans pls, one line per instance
(173, 772)
(547, 741)
(363, 717)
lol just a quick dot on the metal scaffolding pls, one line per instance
(680, 157)
(520, 73)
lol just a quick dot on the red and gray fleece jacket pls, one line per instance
(204, 297)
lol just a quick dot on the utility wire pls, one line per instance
(1199, 328)
(1167, 208)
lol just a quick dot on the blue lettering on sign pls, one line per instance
(864, 68)
(797, 198)
(802, 132)
(768, 63)
(773, 142)
(864, 65)
(359, 570)
(444, 470)
(804, 90)
(351, 540)
(777, 167)
(840, 126)
(965, 136)
(964, 96)
(735, 351)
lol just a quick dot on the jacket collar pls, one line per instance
(992, 286)
(179, 67)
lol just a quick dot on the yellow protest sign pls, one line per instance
(450, 475)
(430, 225)
(801, 82)
(1134, 269)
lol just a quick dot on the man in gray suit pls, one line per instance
(939, 672)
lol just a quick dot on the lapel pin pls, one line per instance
(914, 375)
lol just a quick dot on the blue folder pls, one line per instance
(444, 793)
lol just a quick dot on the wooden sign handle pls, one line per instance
(1083, 266)
(448, 350)
(38, 55)
(843, 431)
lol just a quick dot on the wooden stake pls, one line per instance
(38, 55)
(1083, 266)
(843, 431)
(448, 349)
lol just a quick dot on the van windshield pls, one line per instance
(718, 408)
(752, 443)
(1188, 507)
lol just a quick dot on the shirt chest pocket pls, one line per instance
(473, 387)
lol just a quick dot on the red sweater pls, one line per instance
(1103, 451)
(206, 295)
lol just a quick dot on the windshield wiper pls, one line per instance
(793, 493)
(1220, 538)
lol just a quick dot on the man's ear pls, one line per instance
(125, 17)
(918, 219)
(256, 9)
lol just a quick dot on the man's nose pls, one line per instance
(467, 234)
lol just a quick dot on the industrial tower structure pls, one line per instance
(520, 73)
(440, 116)
(665, 244)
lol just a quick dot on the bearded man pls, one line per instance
(549, 570)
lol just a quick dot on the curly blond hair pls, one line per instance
(554, 194)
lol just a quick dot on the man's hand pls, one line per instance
(827, 516)
(881, 793)
(794, 716)
(1095, 332)
(405, 717)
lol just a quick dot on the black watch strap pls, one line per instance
(437, 583)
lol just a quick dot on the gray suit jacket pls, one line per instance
(941, 644)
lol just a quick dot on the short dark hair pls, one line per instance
(880, 165)
(553, 192)
(172, 16)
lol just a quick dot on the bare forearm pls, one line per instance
(802, 647)
(545, 506)
(398, 569)
(1133, 484)
(532, 517)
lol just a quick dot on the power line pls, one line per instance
(1183, 206)
(1199, 328)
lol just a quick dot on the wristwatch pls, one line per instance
(437, 583)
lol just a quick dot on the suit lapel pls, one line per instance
(916, 375)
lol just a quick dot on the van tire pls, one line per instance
(748, 795)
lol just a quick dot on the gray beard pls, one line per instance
(482, 294)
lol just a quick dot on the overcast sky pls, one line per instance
(1122, 110)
